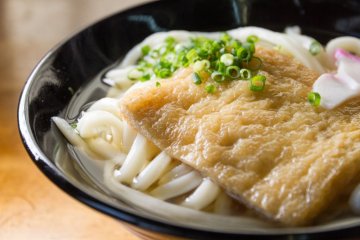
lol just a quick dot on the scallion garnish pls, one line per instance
(218, 77)
(252, 39)
(206, 64)
(315, 48)
(233, 72)
(164, 73)
(157, 84)
(225, 37)
(135, 74)
(227, 59)
(198, 66)
(145, 50)
(155, 53)
(222, 60)
(257, 83)
(245, 74)
(235, 44)
(196, 78)
(192, 55)
(145, 77)
(220, 67)
(243, 54)
(314, 98)
(170, 41)
(210, 88)
(250, 47)
(201, 65)
(73, 125)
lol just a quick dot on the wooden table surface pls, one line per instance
(31, 207)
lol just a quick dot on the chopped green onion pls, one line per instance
(250, 47)
(314, 98)
(207, 45)
(203, 53)
(135, 74)
(201, 65)
(222, 51)
(220, 67)
(192, 55)
(216, 46)
(210, 88)
(155, 53)
(73, 125)
(243, 53)
(144, 64)
(206, 63)
(225, 37)
(170, 57)
(164, 73)
(217, 76)
(145, 77)
(170, 40)
(252, 38)
(164, 63)
(227, 59)
(257, 83)
(196, 78)
(236, 44)
(163, 50)
(179, 47)
(315, 48)
(157, 84)
(198, 66)
(245, 74)
(181, 59)
(233, 72)
(145, 50)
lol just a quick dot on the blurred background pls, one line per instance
(31, 207)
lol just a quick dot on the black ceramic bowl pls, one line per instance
(63, 73)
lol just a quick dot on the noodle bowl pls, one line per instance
(134, 162)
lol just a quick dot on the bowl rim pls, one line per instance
(47, 167)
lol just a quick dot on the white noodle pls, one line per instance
(107, 104)
(175, 213)
(177, 186)
(102, 148)
(97, 123)
(119, 158)
(141, 151)
(223, 204)
(205, 194)
(176, 172)
(128, 136)
(69, 132)
(152, 172)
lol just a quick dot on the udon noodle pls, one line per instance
(135, 162)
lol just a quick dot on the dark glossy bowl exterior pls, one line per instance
(75, 62)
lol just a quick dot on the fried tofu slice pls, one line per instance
(271, 150)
